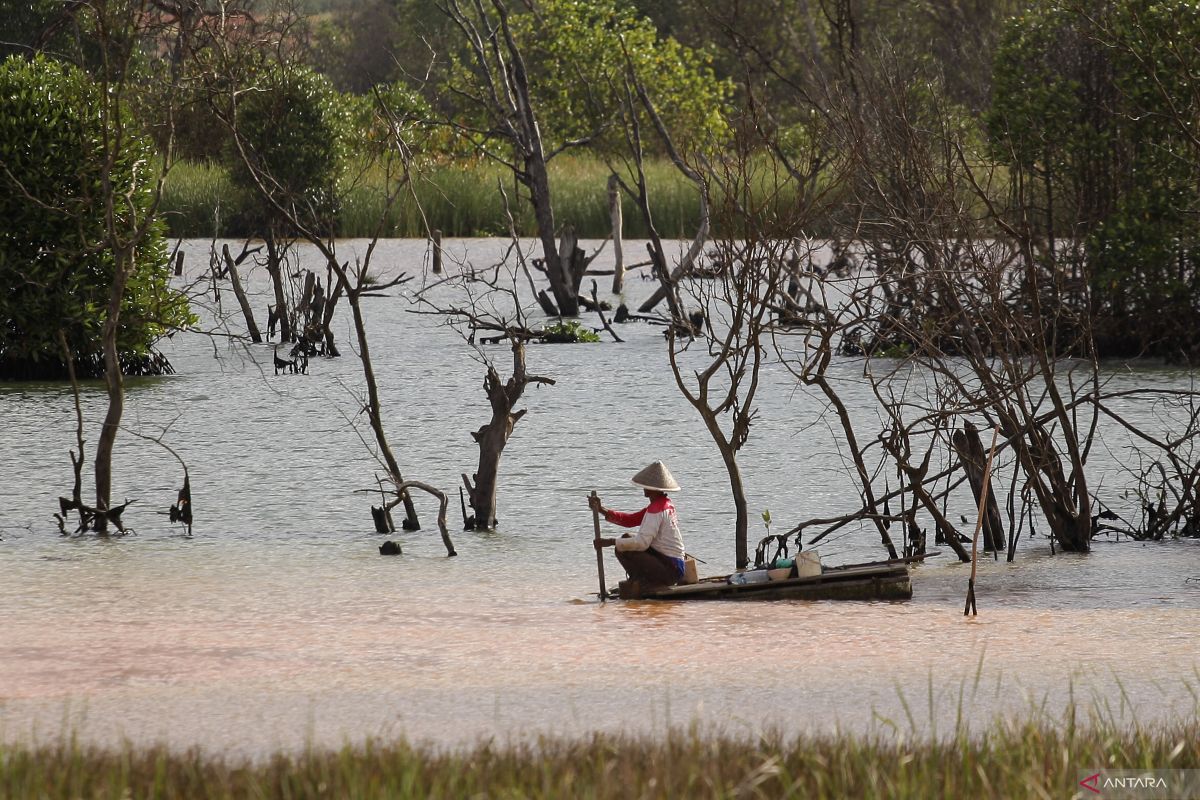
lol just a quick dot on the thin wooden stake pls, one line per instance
(437, 252)
(599, 552)
(614, 213)
(970, 609)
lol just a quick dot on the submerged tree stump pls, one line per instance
(275, 265)
(493, 436)
(547, 304)
(970, 451)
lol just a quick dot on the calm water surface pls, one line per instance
(277, 623)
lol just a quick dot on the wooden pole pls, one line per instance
(599, 552)
(970, 609)
(614, 212)
(437, 252)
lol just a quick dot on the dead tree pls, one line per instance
(492, 306)
(973, 456)
(939, 294)
(614, 213)
(721, 381)
(501, 92)
(231, 270)
(503, 396)
(810, 363)
(636, 102)
(975, 308)
(391, 155)
(276, 262)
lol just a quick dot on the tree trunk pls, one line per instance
(306, 296)
(240, 294)
(373, 412)
(275, 269)
(970, 451)
(492, 437)
(556, 271)
(666, 289)
(327, 316)
(114, 383)
(536, 175)
(614, 212)
(742, 524)
(574, 264)
(548, 307)
(864, 475)
(1070, 527)
(737, 487)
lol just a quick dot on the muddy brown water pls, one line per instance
(277, 624)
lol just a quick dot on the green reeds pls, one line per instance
(1042, 757)
(458, 198)
(198, 200)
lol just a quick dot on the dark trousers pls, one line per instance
(649, 566)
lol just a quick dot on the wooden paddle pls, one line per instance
(599, 551)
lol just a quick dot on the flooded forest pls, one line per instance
(322, 320)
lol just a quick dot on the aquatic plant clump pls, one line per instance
(568, 332)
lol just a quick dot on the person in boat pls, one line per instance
(654, 556)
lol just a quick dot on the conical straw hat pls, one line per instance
(656, 477)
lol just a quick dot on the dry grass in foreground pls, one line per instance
(1010, 760)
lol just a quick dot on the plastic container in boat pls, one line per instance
(749, 576)
(808, 564)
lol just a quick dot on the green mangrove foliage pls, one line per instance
(54, 268)
(292, 141)
(582, 74)
(583, 81)
(1094, 110)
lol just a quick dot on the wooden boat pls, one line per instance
(881, 580)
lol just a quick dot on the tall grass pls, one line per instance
(459, 199)
(198, 200)
(1040, 759)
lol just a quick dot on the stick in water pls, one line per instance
(970, 609)
(599, 552)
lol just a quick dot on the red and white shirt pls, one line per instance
(657, 527)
